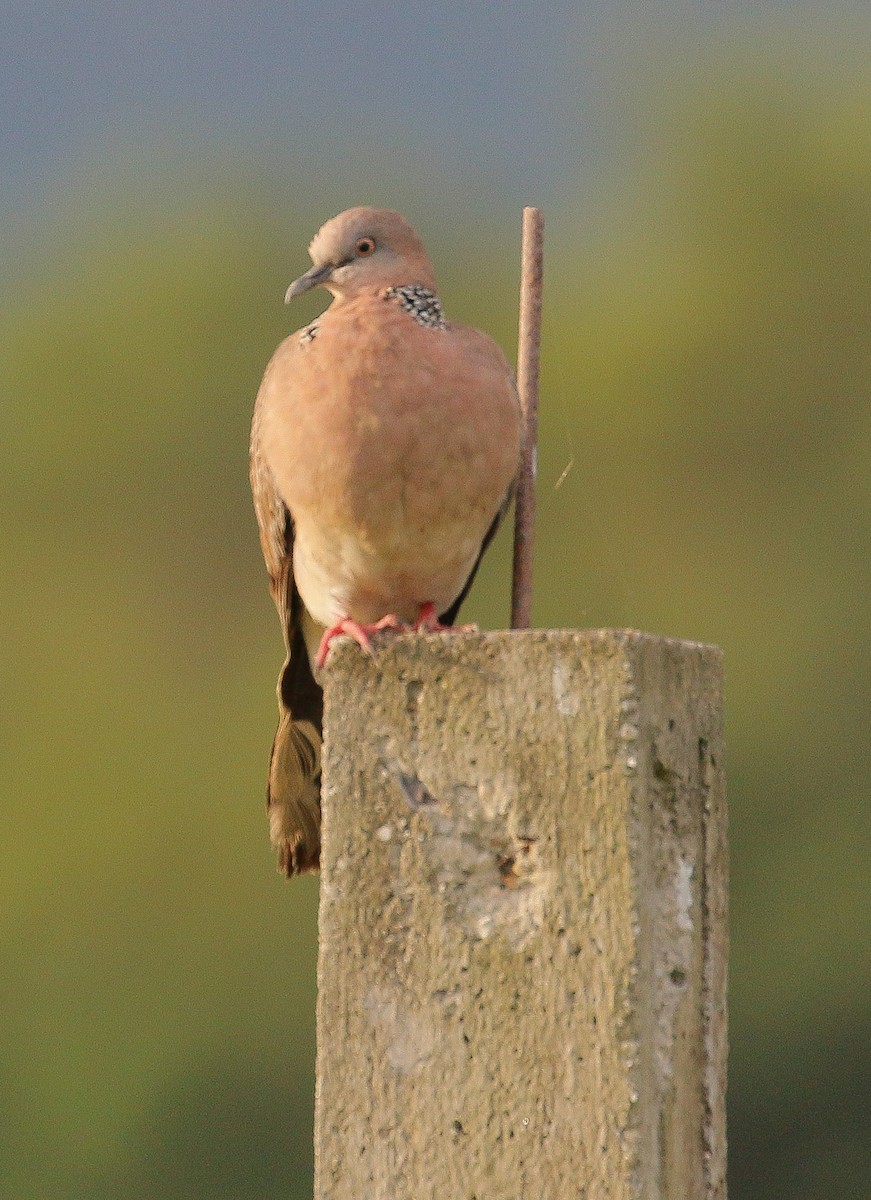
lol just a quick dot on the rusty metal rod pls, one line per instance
(528, 357)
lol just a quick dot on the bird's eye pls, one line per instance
(364, 247)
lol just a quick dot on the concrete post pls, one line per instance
(522, 963)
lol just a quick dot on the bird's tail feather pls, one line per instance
(293, 795)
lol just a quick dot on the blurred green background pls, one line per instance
(704, 473)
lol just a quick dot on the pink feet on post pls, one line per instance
(427, 622)
(360, 634)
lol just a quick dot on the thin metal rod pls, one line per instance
(528, 357)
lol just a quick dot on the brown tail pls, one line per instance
(293, 795)
(293, 792)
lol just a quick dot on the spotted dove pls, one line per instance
(384, 446)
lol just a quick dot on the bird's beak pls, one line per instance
(305, 282)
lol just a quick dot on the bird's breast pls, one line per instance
(393, 449)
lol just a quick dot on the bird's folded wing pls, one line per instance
(293, 787)
(450, 616)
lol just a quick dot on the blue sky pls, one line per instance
(522, 96)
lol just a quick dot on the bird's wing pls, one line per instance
(488, 349)
(450, 617)
(293, 786)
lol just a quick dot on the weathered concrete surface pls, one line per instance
(523, 920)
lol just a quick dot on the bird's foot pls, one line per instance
(428, 622)
(360, 633)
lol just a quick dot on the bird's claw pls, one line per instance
(427, 622)
(349, 627)
(360, 633)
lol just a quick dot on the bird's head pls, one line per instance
(364, 250)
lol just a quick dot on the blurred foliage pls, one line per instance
(704, 473)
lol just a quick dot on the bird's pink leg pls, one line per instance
(360, 634)
(428, 622)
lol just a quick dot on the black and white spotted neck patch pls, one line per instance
(421, 303)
